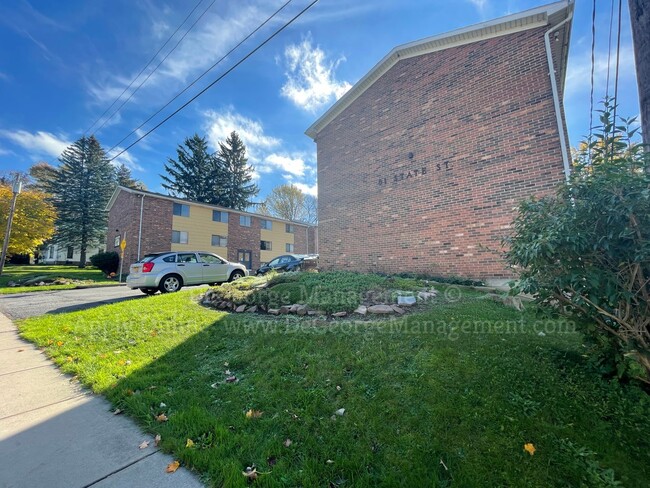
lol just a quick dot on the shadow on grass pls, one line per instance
(420, 408)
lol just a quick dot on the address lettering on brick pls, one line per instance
(413, 173)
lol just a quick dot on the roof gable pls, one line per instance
(550, 15)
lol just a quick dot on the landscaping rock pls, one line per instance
(285, 309)
(294, 308)
(400, 311)
(240, 309)
(251, 309)
(34, 281)
(426, 295)
(406, 301)
(339, 314)
(312, 312)
(380, 309)
(361, 310)
(302, 310)
(274, 311)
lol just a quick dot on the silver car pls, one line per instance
(170, 271)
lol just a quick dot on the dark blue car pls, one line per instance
(286, 262)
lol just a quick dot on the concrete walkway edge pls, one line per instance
(55, 433)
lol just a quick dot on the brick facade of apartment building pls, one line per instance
(147, 221)
(422, 164)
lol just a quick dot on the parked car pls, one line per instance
(170, 271)
(288, 262)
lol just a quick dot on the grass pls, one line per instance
(447, 397)
(19, 274)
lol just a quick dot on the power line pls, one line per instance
(266, 41)
(618, 57)
(202, 75)
(144, 68)
(609, 50)
(158, 65)
(593, 64)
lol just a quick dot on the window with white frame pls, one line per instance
(179, 237)
(267, 224)
(181, 210)
(289, 247)
(220, 241)
(245, 220)
(219, 216)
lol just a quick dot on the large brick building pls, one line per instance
(152, 222)
(422, 162)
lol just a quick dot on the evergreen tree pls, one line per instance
(124, 178)
(80, 192)
(195, 174)
(236, 191)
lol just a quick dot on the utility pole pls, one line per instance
(17, 187)
(640, 18)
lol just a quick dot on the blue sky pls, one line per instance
(63, 63)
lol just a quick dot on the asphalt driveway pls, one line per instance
(23, 305)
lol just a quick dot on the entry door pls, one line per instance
(245, 257)
(214, 269)
(189, 268)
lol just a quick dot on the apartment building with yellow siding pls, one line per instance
(153, 222)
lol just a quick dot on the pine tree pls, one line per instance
(236, 191)
(80, 192)
(124, 178)
(195, 174)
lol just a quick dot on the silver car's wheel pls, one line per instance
(170, 284)
(236, 275)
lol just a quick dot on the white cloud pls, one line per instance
(220, 124)
(262, 149)
(40, 143)
(294, 166)
(126, 159)
(209, 40)
(308, 189)
(311, 81)
(479, 4)
(579, 72)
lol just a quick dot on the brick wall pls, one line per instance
(241, 237)
(423, 171)
(156, 225)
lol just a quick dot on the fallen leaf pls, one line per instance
(340, 412)
(529, 448)
(288, 442)
(253, 414)
(20, 350)
(69, 359)
(156, 440)
(162, 418)
(329, 461)
(130, 392)
(117, 411)
(227, 372)
(153, 333)
(338, 388)
(189, 443)
(144, 444)
(163, 405)
(231, 379)
(250, 473)
(121, 362)
(173, 466)
(59, 343)
(226, 364)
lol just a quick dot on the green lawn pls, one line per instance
(447, 396)
(19, 274)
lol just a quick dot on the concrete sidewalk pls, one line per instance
(53, 433)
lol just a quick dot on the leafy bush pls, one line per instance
(586, 250)
(108, 262)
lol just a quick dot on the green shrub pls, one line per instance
(586, 250)
(108, 262)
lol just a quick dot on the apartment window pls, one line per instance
(181, 210)
(265, 245)
(220, 241)
(289, 228)
(245, 220)
(50, 252)
(70, 254)
(219, 216)
(289, 247)
(267, 224)
(179, 237)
